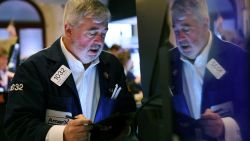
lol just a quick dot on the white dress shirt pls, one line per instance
(193, 74)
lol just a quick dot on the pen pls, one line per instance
(113, 94)
(117, 92)
(92, 126)
(70, 117)
(89, 125)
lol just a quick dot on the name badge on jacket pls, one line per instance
(61, 75)
(215, 68)
(54, 117)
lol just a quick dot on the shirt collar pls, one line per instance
(75, 64)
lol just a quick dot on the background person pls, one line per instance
(5, 75)
(230, 35)
(134, 87)
(3, 69)
(73, 77)
(114, 49)
(209, 79)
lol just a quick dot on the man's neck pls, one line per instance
(86, 65)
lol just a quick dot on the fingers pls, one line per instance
(81, 117)
(75, 133)
(209, 118)
(79, 122)
(77, 129)
(210, 115)
(212, 124)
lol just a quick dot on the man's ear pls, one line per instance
(68, 30)
(207, 22)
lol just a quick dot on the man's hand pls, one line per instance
(212, 124)
(77, 129)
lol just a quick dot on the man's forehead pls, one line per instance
(182, 15)
(180, 18)
(98, 28)
(184, 18)
(95, 20)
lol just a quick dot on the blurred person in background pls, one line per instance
(134, 86)
(5, 78)
(114, 49)
(4, 75)
(228, 35)
(5, 52)
(209, 88)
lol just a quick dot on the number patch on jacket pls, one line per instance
(16, 87)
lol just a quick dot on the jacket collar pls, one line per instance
(57, 58)
(55, 54)
(216, 52)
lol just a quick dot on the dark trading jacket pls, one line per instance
(32, 93)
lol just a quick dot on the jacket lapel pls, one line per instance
(216, 52)
(105, 104)
(179, 101)
(60, 60)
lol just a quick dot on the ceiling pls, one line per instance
(124, 11)
(120, 9)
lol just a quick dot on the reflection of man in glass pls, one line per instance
(208, 78)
